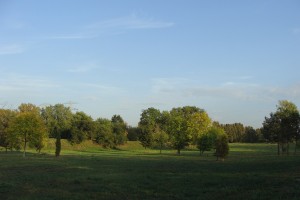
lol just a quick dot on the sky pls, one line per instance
(235, 59)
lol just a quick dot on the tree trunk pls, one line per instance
(160, 148)
(25, 144)
(295, 146)
(278, 149)
(178, 151)
(288, 148)
(24, 151)
(58, 146)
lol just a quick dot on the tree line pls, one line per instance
(31, 125)
(178, 128)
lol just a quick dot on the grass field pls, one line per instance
(86, 171)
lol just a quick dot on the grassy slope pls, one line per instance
(252, 171)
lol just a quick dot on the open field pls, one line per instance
(252, 171)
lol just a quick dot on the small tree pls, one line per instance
(204, 143)
(207, 141)
(222, 147)
(160, 137)
(26, 128)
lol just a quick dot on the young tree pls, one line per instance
(58, 119)
(207, 141)
(221, 145)
(160, 138)
(26, 128)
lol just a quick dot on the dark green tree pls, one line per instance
(150, 119)
(6, 116)
(119, 129)
(221, 145)
(58, 119)
(82, 128)
(207, 141)
(104, 133)
(282, 126)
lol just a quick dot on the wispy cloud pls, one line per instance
(74, 36)
(11, 49)
(17, 82)
(113, 26)
(131, 22)
(83, 68)
(183, 88)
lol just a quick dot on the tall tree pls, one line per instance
(82, 128)
(26, 127)
(160, 138)
(150, 119)
(282, 126)
(185, 124)
(119, 129)
(6, 116)
(251, 135)
(104, 133)
(58, 119)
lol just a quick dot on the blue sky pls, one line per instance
(235, 59)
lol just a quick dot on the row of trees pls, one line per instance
(181, 127)
(177, 128)
(31, 125)
(283, 126)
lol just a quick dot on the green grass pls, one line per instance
(87, 171)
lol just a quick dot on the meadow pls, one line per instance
(87, 171)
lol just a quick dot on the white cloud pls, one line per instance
(113, 26)
(78, 36)
(130, 22)
(182, 88)
(11, 49)
(16, 82)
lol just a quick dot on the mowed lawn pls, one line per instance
(252, 171)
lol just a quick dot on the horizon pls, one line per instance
(233, 59)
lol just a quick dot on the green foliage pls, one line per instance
(150, 118)
(282, 126)
(104, 133)
(186, 124)
(27, 127)
(82, 128)
(133, 133)
(207, 141)
(221, 145)
(160, 138)
(119, 129)
(6, 116)
(58, 119)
